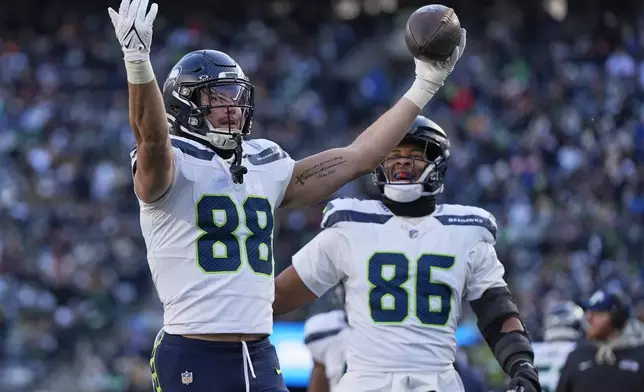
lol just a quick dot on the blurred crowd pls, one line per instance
(546, 120)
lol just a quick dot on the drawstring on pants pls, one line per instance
(248, 364)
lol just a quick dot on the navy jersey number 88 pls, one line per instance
(226, 234)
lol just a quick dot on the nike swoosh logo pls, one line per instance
(278, 371)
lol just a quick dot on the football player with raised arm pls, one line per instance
(406, 263)
(207, 197)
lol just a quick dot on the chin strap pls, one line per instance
(236, 169)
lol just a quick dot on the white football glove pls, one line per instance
(134, 28)
(435, 72)
(431, 74)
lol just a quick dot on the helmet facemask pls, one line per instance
(208, 99)
(405, 179)
(217, 111)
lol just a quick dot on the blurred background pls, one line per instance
(545, 113)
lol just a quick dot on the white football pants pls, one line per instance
(448, 381)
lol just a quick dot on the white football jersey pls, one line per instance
(549, 359)
(404, 279)
(325, 336)
(209, 241)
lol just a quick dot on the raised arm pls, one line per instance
(154, 167)
(316, 177)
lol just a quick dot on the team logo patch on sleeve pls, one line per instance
(266, 156)
(468, 220)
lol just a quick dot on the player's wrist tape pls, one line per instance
(139, 72)
(421, 91)
(512, 350)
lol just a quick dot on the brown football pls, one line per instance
(433, 32)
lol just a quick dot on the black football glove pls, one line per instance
(524, 379)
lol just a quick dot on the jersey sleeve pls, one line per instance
(266, 153)
(480, 223)
(321, 333)
(318, 263)
(178, 159)
(486, 270)
(333, 208)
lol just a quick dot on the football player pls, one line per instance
(405, 264)
(325, 335)
(563, 329)
(207, 198)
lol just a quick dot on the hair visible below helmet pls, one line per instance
(212, 76)
(426, 133)
(614, 302)
(564, 321)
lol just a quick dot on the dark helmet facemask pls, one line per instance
(207, 82)
(400, 186)
(202, 98)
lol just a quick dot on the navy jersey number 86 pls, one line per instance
(425, 288)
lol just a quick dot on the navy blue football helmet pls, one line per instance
(564, 321)
(208, 98)
(426, 133)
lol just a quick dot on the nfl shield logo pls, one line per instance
(186, 378)
(413, 233)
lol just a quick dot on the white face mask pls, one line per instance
(403, 193)
(406, 193)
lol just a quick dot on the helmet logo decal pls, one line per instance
(599, 296)
(172, 77)
(175, 72)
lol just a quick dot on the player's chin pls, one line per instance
(223, 122)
